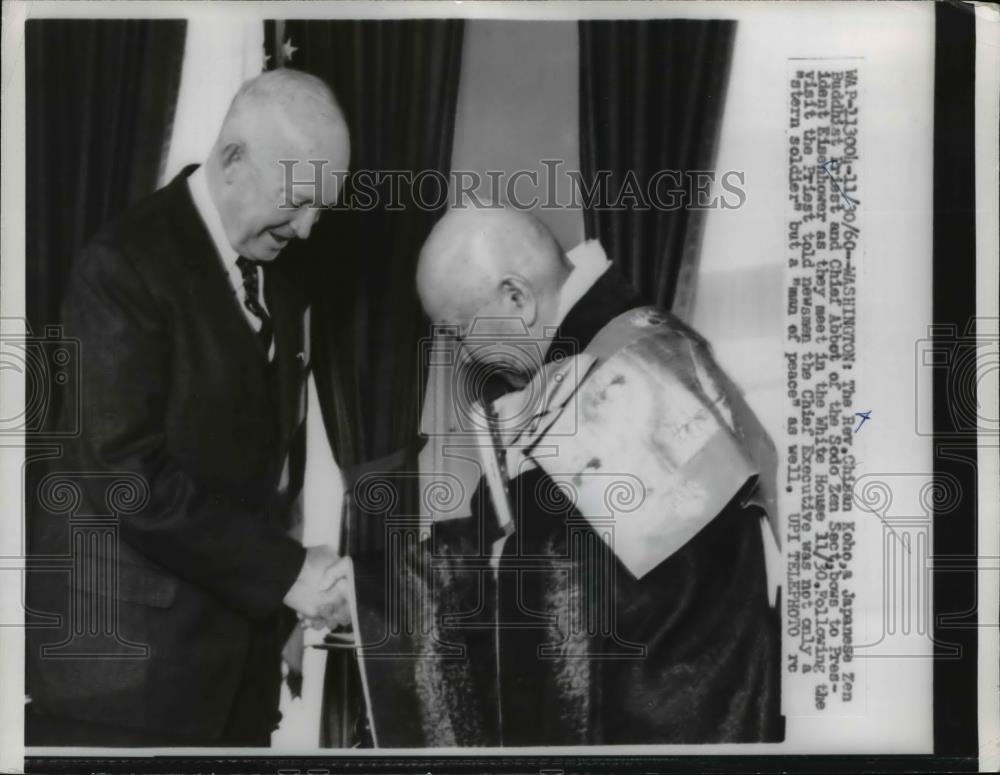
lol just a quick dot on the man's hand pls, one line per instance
(321, 593)
(335, 611)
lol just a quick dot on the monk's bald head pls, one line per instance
(495, 275)
(282, 128)
(472, 252)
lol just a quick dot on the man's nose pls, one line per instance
(304, 221)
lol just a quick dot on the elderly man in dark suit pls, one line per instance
(193, 373)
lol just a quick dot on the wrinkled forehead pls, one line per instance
(455, 277)
(445, 304)
(298, 133)
(310, 181)
(310, 153)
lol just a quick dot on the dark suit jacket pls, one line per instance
(179, 403)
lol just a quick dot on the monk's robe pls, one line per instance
(579, 637)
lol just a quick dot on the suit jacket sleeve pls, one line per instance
(215, 541)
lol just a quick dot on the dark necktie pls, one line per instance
(251, 300)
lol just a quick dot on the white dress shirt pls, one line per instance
(198, 185)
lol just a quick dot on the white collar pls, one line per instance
(198, 184)
(589, 263)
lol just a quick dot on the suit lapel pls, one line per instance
(200, 258)
(201, 261)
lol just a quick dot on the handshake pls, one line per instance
(321, 593)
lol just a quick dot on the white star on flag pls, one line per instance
(288, 49)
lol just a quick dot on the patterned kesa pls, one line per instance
(647, 447)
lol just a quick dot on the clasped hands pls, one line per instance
(321, 593)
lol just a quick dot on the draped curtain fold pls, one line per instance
(397, 82)
(651, 98)
(99, 101)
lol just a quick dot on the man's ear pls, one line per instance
(519, 296)
(230, 156)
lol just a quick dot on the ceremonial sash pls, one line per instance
(645, 434)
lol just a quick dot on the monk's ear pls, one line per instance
(519, 298)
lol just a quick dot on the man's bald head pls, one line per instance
(296, 106)
(277, 126)
(492, 272)
(471, 251)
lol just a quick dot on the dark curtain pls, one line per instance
(397, 82)
(651, 98)
(99, 103)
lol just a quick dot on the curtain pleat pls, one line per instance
(651, 96)
(397, 81)
(99, 99)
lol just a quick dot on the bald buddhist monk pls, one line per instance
(646, 624)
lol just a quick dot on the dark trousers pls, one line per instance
(252, 718)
